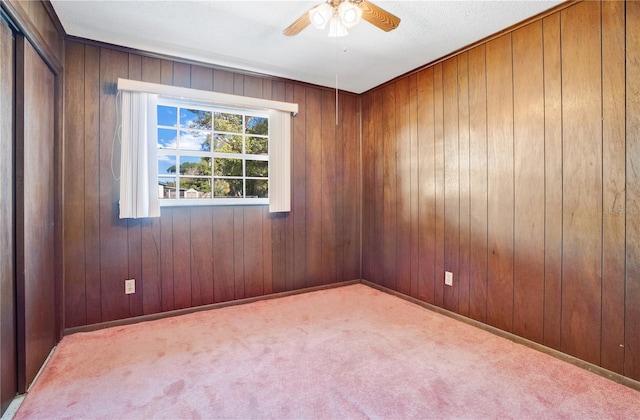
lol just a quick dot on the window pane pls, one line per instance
(230, 123)
(166, 187)
(225, 143)
(195, 187)
(167, 115)
(227, 188)
(257, 125)
(167, 139)
(257, 145)
(166, 165)
(227, 167)
(257, 188)
(195, 140)
(194, 118)
(259, 168)
(195, 165)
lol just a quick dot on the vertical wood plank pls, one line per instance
(151, 267)
(253, 263)
(351, 192)
(92, 232)
(113, 231)
(582, 183)
(181, 74)
(552, 181)
(478, 184)
(313, 188)
(223, 253)
(238, 84)
(451, 183)
(389, 176)
(340, 198)
(403, 186)
(238, 252)
(500, 182)
(298, 190)
(222, 81)
(327, 173)
(201, 78)
(201, 250)
(377, 143)
(463, 135)
(182, 281)
(613, 194)
(368, 180)
(415, 186)
(632, 289)
(426, 186)
(74, 229)
(267, 251)
(166, 258)
(439, 155)
(166, 72)
(528, 94)
(252, 86)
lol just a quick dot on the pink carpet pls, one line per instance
(351, 352)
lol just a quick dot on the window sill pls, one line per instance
(185, 202)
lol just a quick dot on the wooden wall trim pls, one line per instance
(616, 377)
(482, 41)
(185, 311)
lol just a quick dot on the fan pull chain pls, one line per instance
(336, 98)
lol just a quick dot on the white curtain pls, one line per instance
(279, 161)
(138, 158)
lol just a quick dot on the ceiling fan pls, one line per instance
(342, 15)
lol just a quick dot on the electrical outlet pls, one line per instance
(129, 286)
(448, 278)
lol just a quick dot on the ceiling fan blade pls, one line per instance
(378, 17)
(297, 26)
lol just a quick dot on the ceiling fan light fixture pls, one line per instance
(350, 14)
(320, 15)
(337, 29)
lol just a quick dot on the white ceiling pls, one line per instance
(247, 35)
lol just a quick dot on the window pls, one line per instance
(208, 154)
(211, 148)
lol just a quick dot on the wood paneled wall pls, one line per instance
(195, 256)
(510, 165)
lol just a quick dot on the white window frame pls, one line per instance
(280, 114)
(185, 104)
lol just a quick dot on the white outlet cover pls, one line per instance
(129, 286)
(448, 278)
